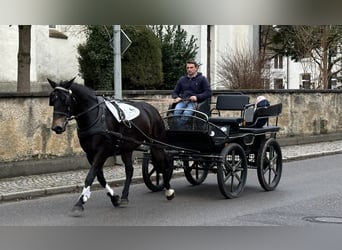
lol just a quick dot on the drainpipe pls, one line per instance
(287, 71)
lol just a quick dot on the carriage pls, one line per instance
(211, 142)
(199, 144)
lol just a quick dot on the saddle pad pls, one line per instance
(129, 111)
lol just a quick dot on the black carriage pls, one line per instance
(210, 141)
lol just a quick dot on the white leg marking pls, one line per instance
(86, 193)
(169, 192)
(109, 190)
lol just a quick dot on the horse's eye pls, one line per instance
(53, 98)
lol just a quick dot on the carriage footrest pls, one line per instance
(263, 130)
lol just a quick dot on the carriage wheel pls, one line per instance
(232, 172)
(195, 172)
(269, 165)
(152, 177)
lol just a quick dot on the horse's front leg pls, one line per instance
(85, 195)
(127, 160)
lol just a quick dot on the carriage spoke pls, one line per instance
(273, 164)
(152, 172)
(232, 171)
(266, 167)
(197, 173)
(227, 172)
(237, 176)
(157, 178)
(232, 184)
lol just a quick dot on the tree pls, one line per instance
(96, 57)
(321, 44)
(177, 48)
(24, 58)
(141, 63)
(242, 68)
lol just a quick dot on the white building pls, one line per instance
(54, 54)
(214, 40)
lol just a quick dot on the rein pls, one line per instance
(84, 112)
(152, 143)
(69, 91)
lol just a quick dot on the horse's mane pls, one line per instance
(84, 90)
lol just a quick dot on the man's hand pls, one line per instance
(177, 100)
(193, 98)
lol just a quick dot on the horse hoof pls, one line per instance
(170, 194)
(77, 211)
(124, 202)
(115, 200)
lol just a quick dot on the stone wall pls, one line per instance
(25, 120)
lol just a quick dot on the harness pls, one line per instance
(98, 126)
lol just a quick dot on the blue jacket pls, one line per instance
(197, 86)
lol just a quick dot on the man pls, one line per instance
(190, 90)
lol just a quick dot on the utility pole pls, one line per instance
(117, 62)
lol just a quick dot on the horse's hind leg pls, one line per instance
(115, 199)
(160, 160)
(127, 160)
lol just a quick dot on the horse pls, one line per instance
(101, 135)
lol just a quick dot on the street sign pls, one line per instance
(125, 42)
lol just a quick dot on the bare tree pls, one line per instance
(242, 68)
(320, 44)
(24, 58)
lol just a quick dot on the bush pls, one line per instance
(141, 63)
(96, 58)
(176, 50)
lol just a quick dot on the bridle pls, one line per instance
(70, 98)
(67, 102)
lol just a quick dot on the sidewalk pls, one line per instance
(27, 187)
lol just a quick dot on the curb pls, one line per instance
(36, 193)
(313, 155)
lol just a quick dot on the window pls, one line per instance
(55, 33)
(266, 82)
(278, 62)
(278, 83)
(306, 80)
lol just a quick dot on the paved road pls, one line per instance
(309, 189)
(26, 187)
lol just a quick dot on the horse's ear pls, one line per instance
(73, 79)
(52, 83)
(69, 83)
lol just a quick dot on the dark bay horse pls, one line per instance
(74, 101)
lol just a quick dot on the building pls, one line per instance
(217, 40)
(54, 55)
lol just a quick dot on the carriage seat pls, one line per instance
(203, 106)
(231, 102)
(253, 117)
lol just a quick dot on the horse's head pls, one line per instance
(62, 101)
